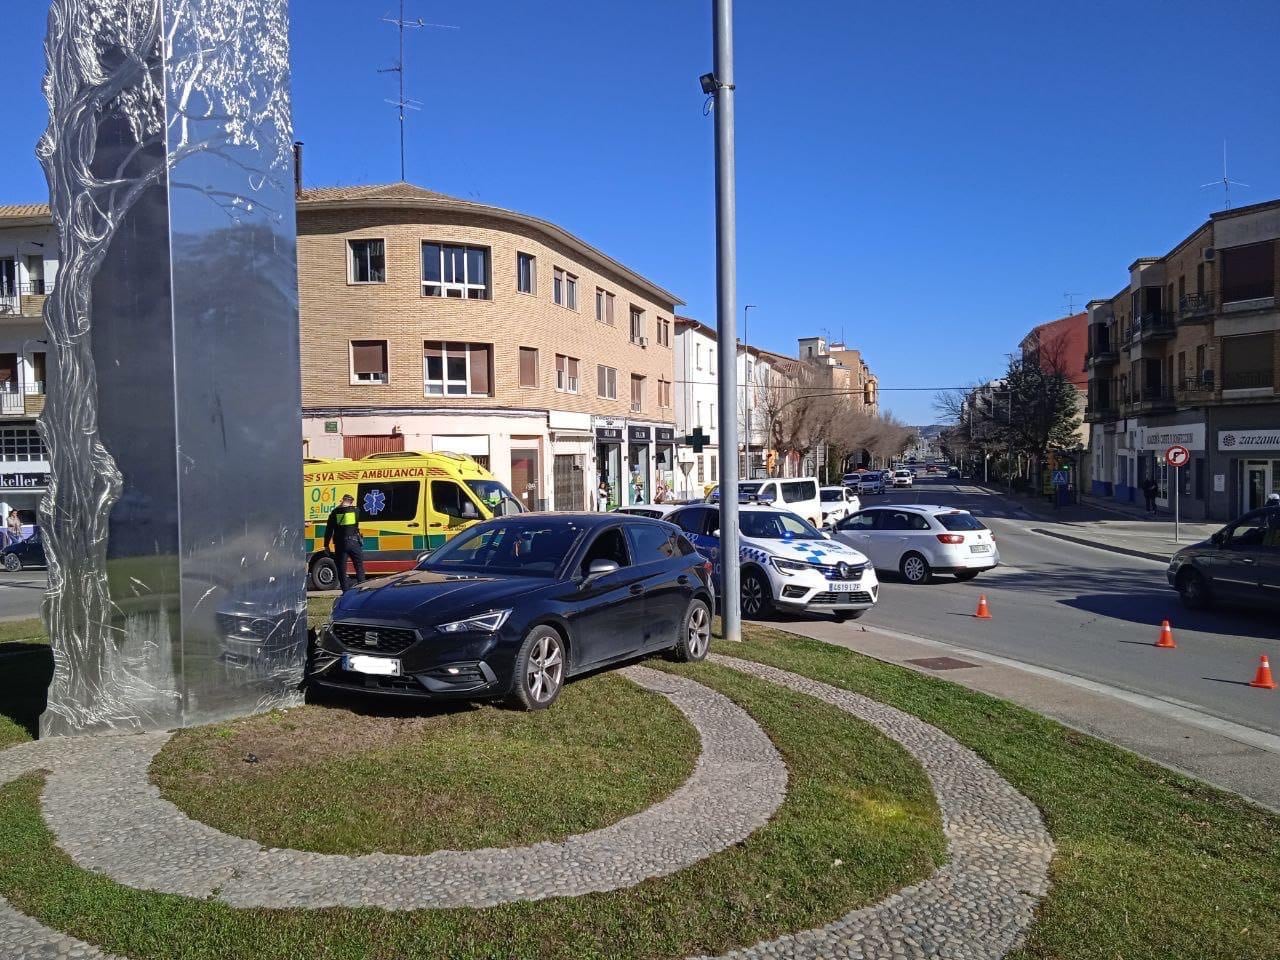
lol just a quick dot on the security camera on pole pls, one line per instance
(719, 85)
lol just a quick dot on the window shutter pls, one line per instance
(480, 358)
(369, 356)
(528, 367)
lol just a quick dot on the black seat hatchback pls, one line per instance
(514, 606)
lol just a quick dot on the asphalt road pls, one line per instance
(1085, 612)
(21, 593)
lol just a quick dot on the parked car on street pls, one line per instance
(904, 478)
(797, 494)
(872, 482)
(514, 606)
(953, 473)
(1238, 566)
(786, 563)
(920, 540)
(28, 552)
(838, 503)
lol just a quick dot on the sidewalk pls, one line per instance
(1119, 528)
(1225, 754)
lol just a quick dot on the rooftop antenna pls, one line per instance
(404, 103)
(1226, 181)
(1071, 302)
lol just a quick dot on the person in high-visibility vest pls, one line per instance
(343, 532)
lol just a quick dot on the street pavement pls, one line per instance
(21, 593)
(1086, 612)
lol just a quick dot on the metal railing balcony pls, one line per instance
(1248, 379)
(1196, 304)
(1149, 326)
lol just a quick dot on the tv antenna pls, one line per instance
(404, 103)
(1071, 302)
(1226, 181)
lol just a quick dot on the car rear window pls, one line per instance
(798, 490)
(959, 521)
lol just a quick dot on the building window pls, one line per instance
(457, 369)
(1248, 361)
(528, 367)
(368, 361)
(604, 306)
(637, 394)
(565, 289)
(698, 421)
(1248, 273)
(637, 324)
(566, 374)
(606, 382)
(664, 332)
(697, 355)
(1199, 371)
(366, 261)
(715, 468)
(454, 271)
(526, 273)
(36, 384)
(664, 393)
(21, 445)
(714, 424)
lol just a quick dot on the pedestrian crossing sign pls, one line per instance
(1060, 478)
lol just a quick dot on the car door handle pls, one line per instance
(637, 588)
(412, 524)
(1244, 560)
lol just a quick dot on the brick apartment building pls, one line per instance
(433, 323)
(1188, 353)
(427, 323)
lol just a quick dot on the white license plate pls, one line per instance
(842, 586)
(979, 548)
(375, 666)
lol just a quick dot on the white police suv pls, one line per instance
(786, 562)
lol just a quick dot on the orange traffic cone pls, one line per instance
(1263, 677)
(1166, 637)
(983, 613)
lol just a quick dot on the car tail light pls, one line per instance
(950, 538)
(708, 567)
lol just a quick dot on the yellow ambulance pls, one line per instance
(409, 503)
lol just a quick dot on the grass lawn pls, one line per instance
(859, 821)
(23, 631)
(337, 781)
(1150, 864)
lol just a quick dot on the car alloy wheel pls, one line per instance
(12, 563)
(915, 568)
(545, 670)
(1191, 588)
(324, 574)
(754, 591)
(695, 633)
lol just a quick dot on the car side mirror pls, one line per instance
(601, 568)
(715, 532)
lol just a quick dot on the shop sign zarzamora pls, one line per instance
(1249, 440)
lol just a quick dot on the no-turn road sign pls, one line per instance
(1177, 456)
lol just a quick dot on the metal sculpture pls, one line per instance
(174, 385)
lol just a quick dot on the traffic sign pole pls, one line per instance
(1177, 457)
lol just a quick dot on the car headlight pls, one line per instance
(484, 623)
(788, 567)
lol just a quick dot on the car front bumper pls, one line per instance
(812, 591)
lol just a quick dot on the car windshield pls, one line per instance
(766, 525)
(959, 521)
(508, 549)
(500, 501)
(831, 496)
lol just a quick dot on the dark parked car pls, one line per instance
(514, 606)
(1238, 565)
(953, 473)
(24, 553)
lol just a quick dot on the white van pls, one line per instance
(798, 495)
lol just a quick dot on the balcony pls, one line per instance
(1197, 307)
(1101, 354)
(14, 403)
(1197, 390)
(1243, 383)
(1151, 326)
(1152, 399)
(26, 301)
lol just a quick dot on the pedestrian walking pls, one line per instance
(602, 496)
(1149, 488)
(343, 533)
(13, 527)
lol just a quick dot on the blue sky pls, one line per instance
(926, 179)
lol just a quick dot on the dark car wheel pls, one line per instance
(324, 574)
(915, 569)
(757, 598)
(12, 563)
(1193, 589)
(966, 574)
(539, 669)
(695, 633)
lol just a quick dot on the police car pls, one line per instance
(787, 564)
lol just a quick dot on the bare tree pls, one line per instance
(227, 63)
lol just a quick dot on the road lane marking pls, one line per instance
(1169, 707)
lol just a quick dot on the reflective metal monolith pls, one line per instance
(172, 521)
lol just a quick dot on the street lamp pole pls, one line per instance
(722, 88)
(746, 364)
